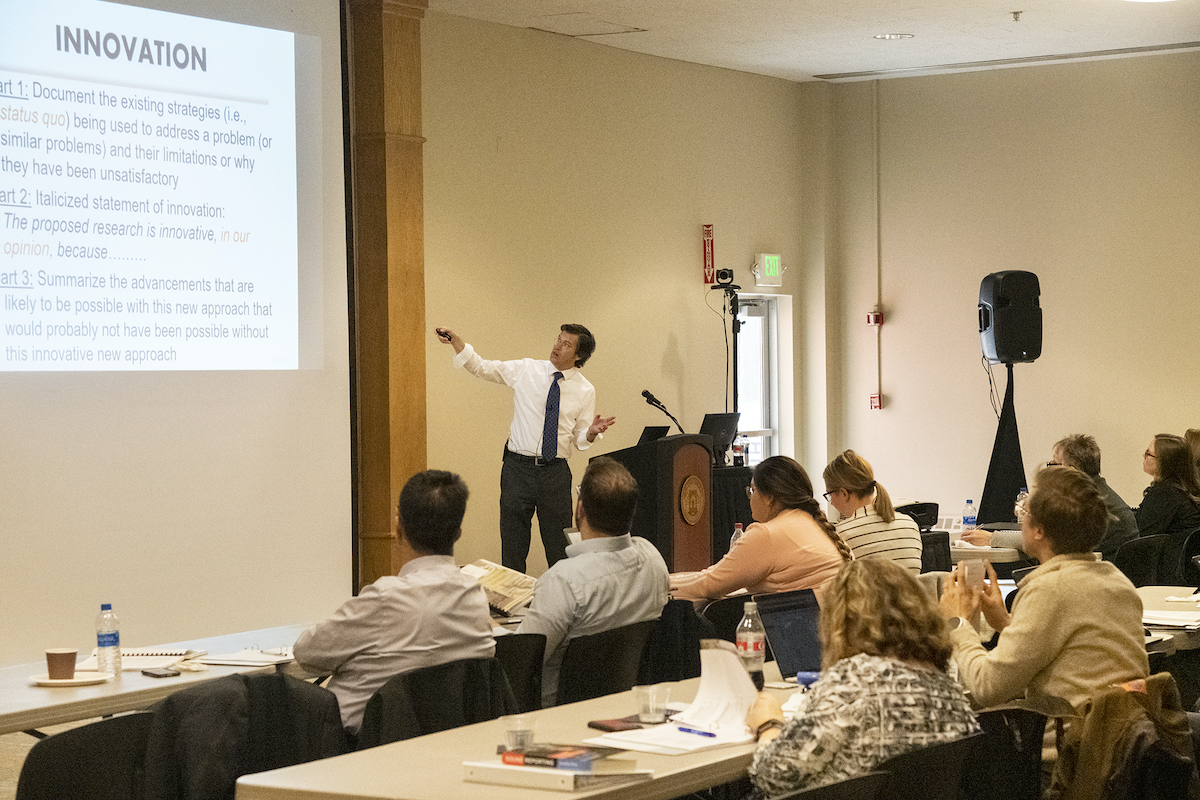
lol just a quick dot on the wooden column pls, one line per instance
(384, 54)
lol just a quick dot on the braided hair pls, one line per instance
(785, 481)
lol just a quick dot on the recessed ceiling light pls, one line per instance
(893, 36)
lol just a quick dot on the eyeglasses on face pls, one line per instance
(1148, 454)
(750, 490)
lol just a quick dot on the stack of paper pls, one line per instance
(507, 590)
(1189, 620)
(716, 718)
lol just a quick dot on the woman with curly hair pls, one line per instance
(883, 690)
(791, 544)
(869, 523)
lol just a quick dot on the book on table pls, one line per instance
(563, 780)
(577, 757)
(507, 590)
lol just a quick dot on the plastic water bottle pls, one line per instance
(752, 643)
(1019, 506)
(108, 641)
(968, 516)
(736, 537)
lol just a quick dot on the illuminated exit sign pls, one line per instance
(768, 270)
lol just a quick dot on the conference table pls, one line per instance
(25, 706)
(1154, 598)
(995, 555)
(431, 767)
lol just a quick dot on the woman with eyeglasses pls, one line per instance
(1171, 503)
(869, 523)
(790, 545)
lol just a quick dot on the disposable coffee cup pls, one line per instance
(60, 663)
(651, 703)
(518, 731)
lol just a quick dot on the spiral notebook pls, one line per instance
(136, 659)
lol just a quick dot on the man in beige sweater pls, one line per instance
(1076, 623)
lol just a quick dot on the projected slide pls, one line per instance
(147, 191)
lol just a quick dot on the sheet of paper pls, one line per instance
(722, 702)
(250, 658)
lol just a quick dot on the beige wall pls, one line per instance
(567, 181)
(1087, 174)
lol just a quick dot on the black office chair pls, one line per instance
(724, 616)
(521, 655)
(603, 663)
(930, 773)
(924, 514)
(1187, 571)
(1008, 761)
(206, 736)
(436, 698)
(860, 787)
(672, 652)
(935, 552)
(99, 761)
(1139, 558)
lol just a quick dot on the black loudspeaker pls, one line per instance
(1010, 319)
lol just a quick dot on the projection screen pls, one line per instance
(174, 369)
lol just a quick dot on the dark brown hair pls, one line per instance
(586, 345)
(609, 496)
(1175, 465)
(783, 480)
(431, 508)
(1069, 509)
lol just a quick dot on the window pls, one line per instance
(758, 394)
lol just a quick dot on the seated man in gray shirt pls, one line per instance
(428, 614)
(608, 580)
(1081, 452)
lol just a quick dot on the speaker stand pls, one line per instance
(1006, 472)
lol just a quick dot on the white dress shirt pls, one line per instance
(428, 614)
(530, 381)
(603, 583)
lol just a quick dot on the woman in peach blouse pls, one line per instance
(791, 544)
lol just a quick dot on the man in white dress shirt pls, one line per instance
(535, 475)
(428, 614)
(609, 579)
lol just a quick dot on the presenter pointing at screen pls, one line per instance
(554, 409)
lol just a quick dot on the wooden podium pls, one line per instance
(674, 510)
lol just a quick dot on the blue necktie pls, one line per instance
(550, 427)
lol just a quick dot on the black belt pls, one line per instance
(536, 461)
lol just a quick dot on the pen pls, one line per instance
(698, 733)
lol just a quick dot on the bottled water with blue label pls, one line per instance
(968, 516)
(108, 642)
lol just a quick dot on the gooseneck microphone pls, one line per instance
(654, 401)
